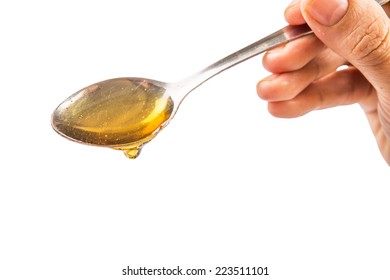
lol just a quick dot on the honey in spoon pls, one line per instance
(120, 113)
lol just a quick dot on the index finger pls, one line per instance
(293, 14)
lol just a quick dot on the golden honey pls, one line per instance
(120, 113)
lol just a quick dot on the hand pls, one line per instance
(305, 75)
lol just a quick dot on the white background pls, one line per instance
(225, 184)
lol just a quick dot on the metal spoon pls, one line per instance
(126, 113)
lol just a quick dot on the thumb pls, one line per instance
(357, 30)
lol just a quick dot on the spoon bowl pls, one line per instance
(121, 113)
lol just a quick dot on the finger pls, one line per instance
(293, 14)
(359, 31)
(292, 56)
(340, 88)
(285, 86)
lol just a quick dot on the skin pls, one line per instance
(304, 72)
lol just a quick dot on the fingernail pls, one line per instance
(264, 84)
(276, 49)
(270, 78)
(293, 3)
(327, 12)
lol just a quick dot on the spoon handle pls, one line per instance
(279, 37)
(284, 35)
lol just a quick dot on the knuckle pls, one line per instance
(371, 44)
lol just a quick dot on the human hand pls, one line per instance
(305, 76)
